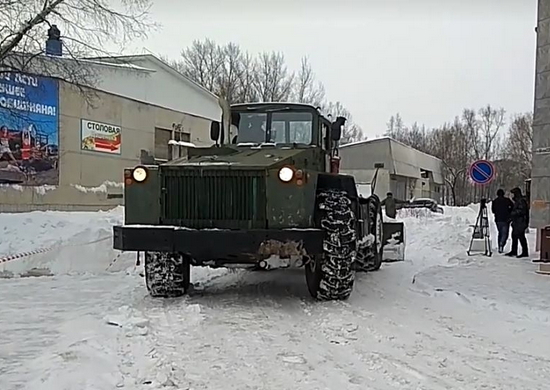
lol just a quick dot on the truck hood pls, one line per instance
(242, 158)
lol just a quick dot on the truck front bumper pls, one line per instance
(214, 244)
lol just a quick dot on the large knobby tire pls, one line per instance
(331, 276)
(167, 275)
(369, 257)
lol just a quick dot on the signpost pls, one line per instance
(481, 172)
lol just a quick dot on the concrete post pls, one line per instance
(540, 186)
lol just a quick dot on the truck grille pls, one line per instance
(212, 198)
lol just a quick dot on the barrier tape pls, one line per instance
(22, 255)
(114, 260)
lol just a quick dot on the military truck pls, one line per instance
(267, 194)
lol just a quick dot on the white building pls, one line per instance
(153, 81)
(408, 173)
(72, 156)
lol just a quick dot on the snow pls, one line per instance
(42, 190)
(103, 187)
(182, 143)
(439, 320)
(23, 232)
(8, 187)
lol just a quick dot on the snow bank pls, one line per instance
(68, 241)
(23, 232)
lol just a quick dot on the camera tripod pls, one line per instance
(482, 231)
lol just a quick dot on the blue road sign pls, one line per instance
(482, 172)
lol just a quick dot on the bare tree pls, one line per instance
(306, 88)
(234, 74)
(471, 128)
(87, 27)
(450, 143)
(273, 81)
(519, 143)
(226, 71)
(229, 79)
(202, 62)
(247, 92)
(491, 122)
(471, 136)
(395, 127)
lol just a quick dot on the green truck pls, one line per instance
(267, 194)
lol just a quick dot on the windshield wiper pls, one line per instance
(268, 110)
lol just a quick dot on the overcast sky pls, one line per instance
(426, 59)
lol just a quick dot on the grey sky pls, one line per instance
(426, 59)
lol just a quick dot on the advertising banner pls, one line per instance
(29, 130)
(100, 137)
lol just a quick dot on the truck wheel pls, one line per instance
(369, 257)
(167, 274)
(331, 275)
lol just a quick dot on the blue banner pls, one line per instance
(29, 130)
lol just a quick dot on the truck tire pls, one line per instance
(331, 275)
(167, 275)
(369, 258)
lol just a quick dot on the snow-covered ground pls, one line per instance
(439, 320)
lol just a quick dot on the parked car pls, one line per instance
(416, 203)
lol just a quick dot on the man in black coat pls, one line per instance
(501, 207)
(389, 204)
(520, 223)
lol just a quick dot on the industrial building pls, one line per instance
(540, 177)
(58, 151)
(407, 172)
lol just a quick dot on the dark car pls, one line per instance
(417, 203)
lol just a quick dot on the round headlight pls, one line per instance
(139, 174)
(286, 174)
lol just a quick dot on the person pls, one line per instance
(501, 207)
(389, 203)
(5, 144)
(520, 220)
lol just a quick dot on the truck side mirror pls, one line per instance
(215, 131)
(335, 132)
(336, 128)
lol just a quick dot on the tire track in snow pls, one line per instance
(444, 349)
(257, 322)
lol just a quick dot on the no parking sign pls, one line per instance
(482, 172)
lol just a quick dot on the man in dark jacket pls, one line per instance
(389, 203)
(502, 208)
(520, 222)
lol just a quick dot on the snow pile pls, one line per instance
(66, 242)
(435, 238)
(23, 232)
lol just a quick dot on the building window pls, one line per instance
(425, 174)
(163, 136)
(162, 150)
(179, 134)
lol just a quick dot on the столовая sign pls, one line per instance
(100, 137)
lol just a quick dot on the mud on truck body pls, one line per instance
(267, 195)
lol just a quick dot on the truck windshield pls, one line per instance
(284, 127)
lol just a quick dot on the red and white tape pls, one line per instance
(43, 250)
(23, 254)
